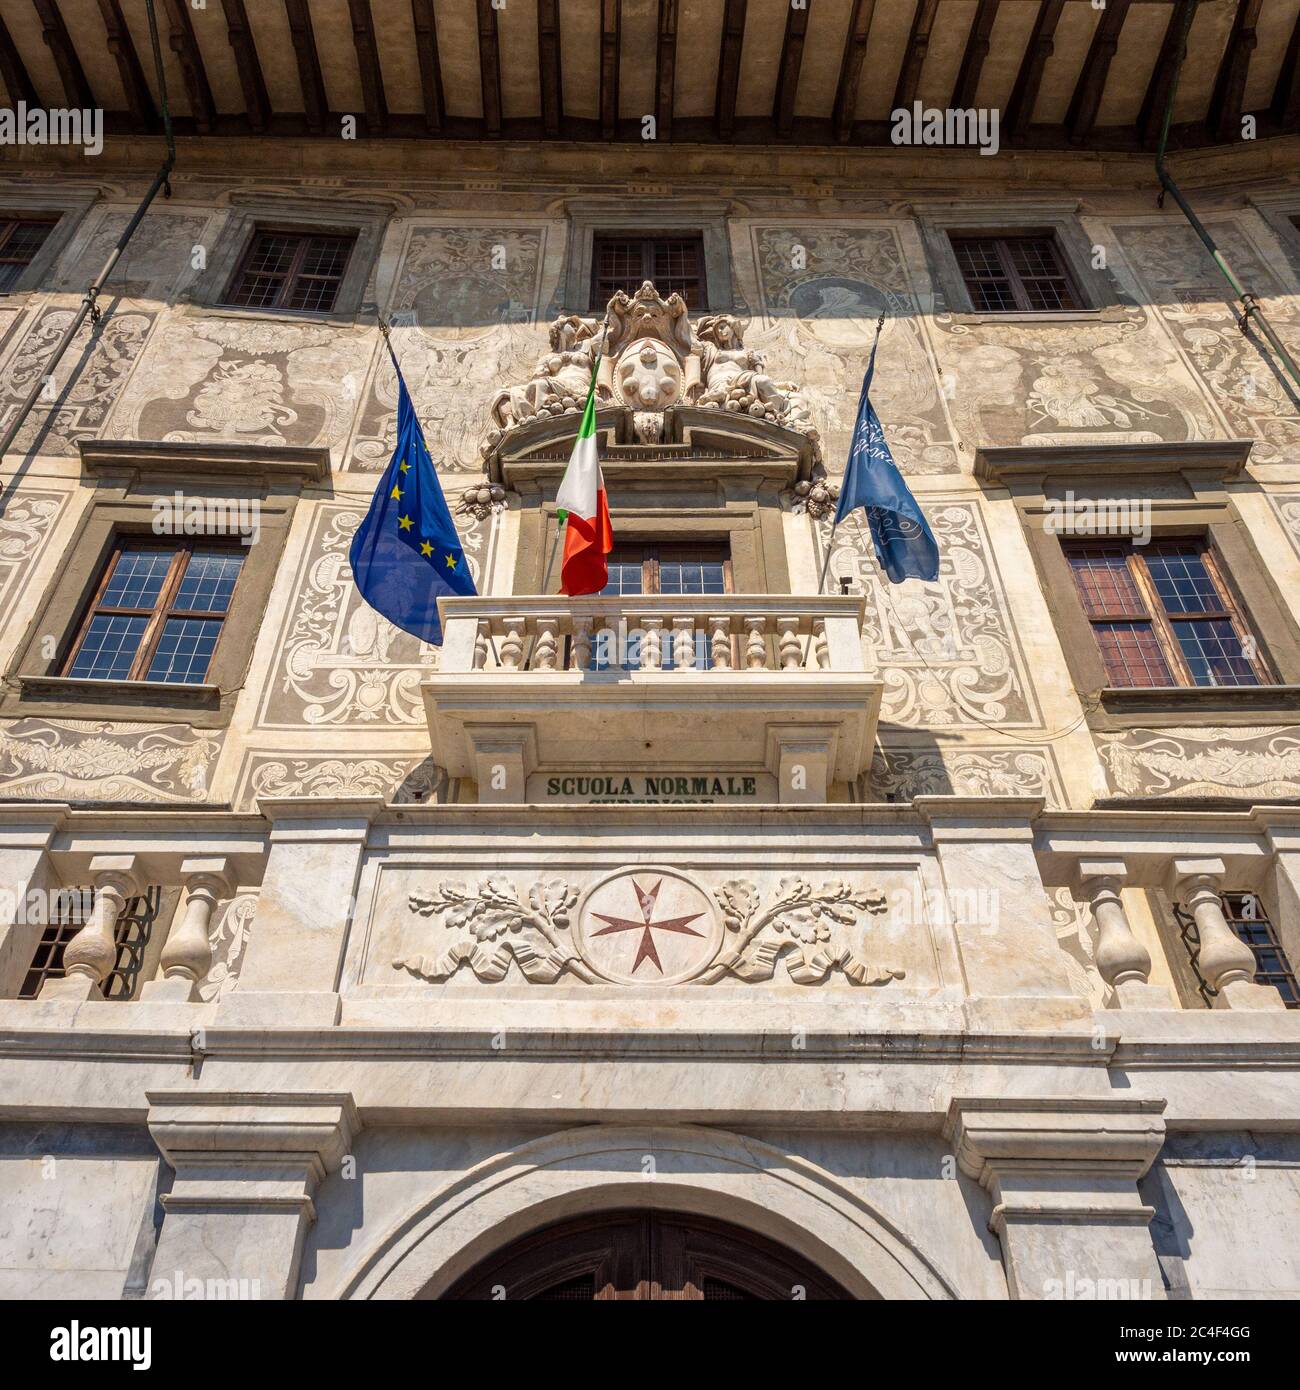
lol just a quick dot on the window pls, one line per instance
(663, 569)
(291, 270)
(674, 264)
(1008, 273)
(1162, 615)
(669, 569)
(157, 614)
(1246, 916)
(72, 909)
(19, 243)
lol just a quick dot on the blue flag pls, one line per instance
(904, 542)
(406, 553)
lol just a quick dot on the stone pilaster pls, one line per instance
(247, 1168)
(26, 833)
(998, 909)
(297, 938)
(1062, 1174)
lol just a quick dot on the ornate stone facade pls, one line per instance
(841, 906)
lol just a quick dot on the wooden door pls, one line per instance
(648, 1256)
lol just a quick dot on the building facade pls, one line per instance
(757, 928)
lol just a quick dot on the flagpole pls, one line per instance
(830, 540)
(559, 530)
(385, 329)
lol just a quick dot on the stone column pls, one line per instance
(91, 954)
(247, 1168)
(187, 954)
(1224, 959)
(1062, 1174)
(996, 906)
(1122, 960)
(26, 880)
(304, 909)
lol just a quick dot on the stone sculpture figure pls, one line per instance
(651, 359)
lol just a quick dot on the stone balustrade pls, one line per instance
(999, 860)
(715, 633)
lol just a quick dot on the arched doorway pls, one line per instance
(644, 1255)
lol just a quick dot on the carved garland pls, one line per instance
(800, 923)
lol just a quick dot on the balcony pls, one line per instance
(758, 696)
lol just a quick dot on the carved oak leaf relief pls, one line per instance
(493, 926)
(810, 930)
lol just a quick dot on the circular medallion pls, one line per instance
(648, 926)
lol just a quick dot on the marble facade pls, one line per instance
(925, 1023)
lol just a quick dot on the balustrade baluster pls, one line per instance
(788, 647)
(546, 650)
(720, 642)
(512, 643)
(756, 644)
(684, 643)
(652, 634)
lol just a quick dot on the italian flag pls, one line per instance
(583, 511)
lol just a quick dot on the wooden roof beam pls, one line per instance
(1151, 116)
(257, 105)
(1223, 120)
(733, 39)
(918, 42)
(372, 79)
(787, 78)
(665, 69)
(549, 68)
(855, 50)
(611, 19)
(186, 48)
(972, 60)
(1024, 95)
(1286, 95)
(312, 83)
(1088, 90)
(489, 66)
(138, 96)
(57, 39)
(18, 83)
(426, 49)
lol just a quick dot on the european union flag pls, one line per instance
(904, 542)
(406, 553)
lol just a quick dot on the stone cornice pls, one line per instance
(1026, 462)
(168, 464)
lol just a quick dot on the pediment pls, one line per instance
(694, 438)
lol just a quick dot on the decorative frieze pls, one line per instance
(655, 926)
